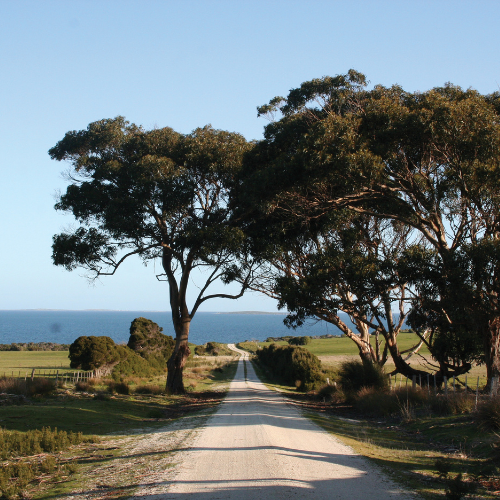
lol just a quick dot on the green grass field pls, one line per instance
(18, 363)
(334, 351)
(343, 346)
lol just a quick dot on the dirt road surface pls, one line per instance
(258, 446)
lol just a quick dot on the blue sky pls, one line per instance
(183, 64)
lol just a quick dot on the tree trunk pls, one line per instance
(362, 340)
(401, 365)
(175, 365)
(492, 350)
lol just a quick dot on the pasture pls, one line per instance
(20, 363)
(334, 351)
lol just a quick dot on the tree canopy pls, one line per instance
(155, 194)
(428, 160)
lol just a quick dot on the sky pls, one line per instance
(185, 64)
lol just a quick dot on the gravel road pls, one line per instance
(258, 446)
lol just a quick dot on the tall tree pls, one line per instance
(345, 263)
(430, 160)
(160, 195)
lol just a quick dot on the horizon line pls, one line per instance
(140, 310)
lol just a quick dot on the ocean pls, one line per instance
(64, 327)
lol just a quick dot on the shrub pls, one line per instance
(354, 375)
(119, 388)
(292, 365)
(488, 413)
(147, 340)
(454, 404)
(212, 349)
(376, 402)
(84, 387)
(39, 386)
(300, 340)
(15, 443)
(89, 353)
(16, 475)
(133, 365)
(149, 389)
(332, 393)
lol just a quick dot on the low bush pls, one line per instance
(331, 393)
(15, 443)
(149, 389)
(292, 365)
(212, 349)
(355, 375)
(90, 353)
(407, 402)
(376, 402)
(34, 346)
(15, 476)
(488, 413)
(119, 388)
(133, 365)
(300, 340)
(39, 386)
(81, 386)
(453, 404)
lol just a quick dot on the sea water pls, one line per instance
(66, 326)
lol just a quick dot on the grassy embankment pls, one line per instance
(103, 416)
(414, 443)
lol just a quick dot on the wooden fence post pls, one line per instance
(477, 391)
(32, 374)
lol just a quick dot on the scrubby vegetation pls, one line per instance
(39, 386)
(89, 352)
(213, 349)
(145, 355)
(292, 365)
(34, 346)
(355, 375)
(147, 340)
(300, 340)
(26, 447)
(249, 345)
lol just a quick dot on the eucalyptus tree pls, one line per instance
(347, 263)
(429, 160)
(154, 194)
(350, 268)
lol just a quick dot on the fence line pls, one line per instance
(67, 377)
(447, 385)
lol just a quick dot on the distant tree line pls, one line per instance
(34, 346)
